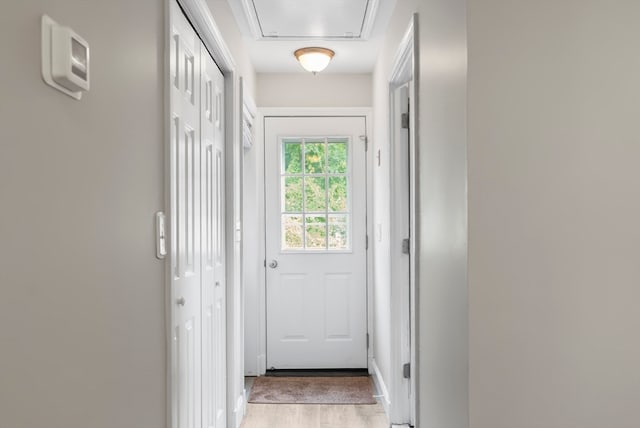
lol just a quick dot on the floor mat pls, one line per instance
(312, 390)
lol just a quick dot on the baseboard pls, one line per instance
(318, 373)
(381, 388)
(240, 410)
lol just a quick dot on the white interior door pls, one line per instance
(196, 157)
(185, 225)
(213, 244)
(400, 255)
(315, 187)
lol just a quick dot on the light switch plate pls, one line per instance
(161, 236)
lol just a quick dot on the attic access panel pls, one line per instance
(307, 19)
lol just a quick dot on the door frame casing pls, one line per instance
(200, 17)
(260, 310)
(405, 71)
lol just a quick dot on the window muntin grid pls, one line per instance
(315, 194)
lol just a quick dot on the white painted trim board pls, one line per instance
(264, 112)
(381, 388)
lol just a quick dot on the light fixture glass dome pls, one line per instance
(314, 59)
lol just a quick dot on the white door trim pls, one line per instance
(405, 69)
(199, 14)
(308, 112)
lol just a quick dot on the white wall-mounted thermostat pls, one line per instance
(65, 58)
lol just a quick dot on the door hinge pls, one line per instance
(405, 246)
(404, 120)
(366, 142)
(367, 340)
(265, 262)
(366, 242)
(406, 370)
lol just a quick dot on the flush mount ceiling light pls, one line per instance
(314, 59)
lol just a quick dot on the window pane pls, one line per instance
(292, 233)
(337, 156)
(316, 232)
(338, 232)
(292, 194)
(292, 156)
(315, 194)
(337, 194)
(314, 157)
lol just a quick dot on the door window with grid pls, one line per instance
(315, 194)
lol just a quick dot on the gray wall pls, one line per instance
(442, 216)
(82, 327)
(442, 209)
(554, 203)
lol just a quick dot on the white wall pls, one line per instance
(306, 90)
(82, 328)
(253, 254)
(226, 23)
(244, 350)
(554, 204)
(235, 42)
(382, 328)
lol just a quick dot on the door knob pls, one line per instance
(181, 301)
(273, 264)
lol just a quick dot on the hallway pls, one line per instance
(261, 415)
(526, 211)
(314, 416)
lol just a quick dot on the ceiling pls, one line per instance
(274, 29)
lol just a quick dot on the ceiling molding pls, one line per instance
(369, 19)
(275, 54)
(253, 22)
(402, 69)
(249, 11)
(199, 14)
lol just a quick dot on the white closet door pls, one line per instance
(185, 222)
(198, 359)
(213, 263)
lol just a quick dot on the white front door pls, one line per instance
(315, 187)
